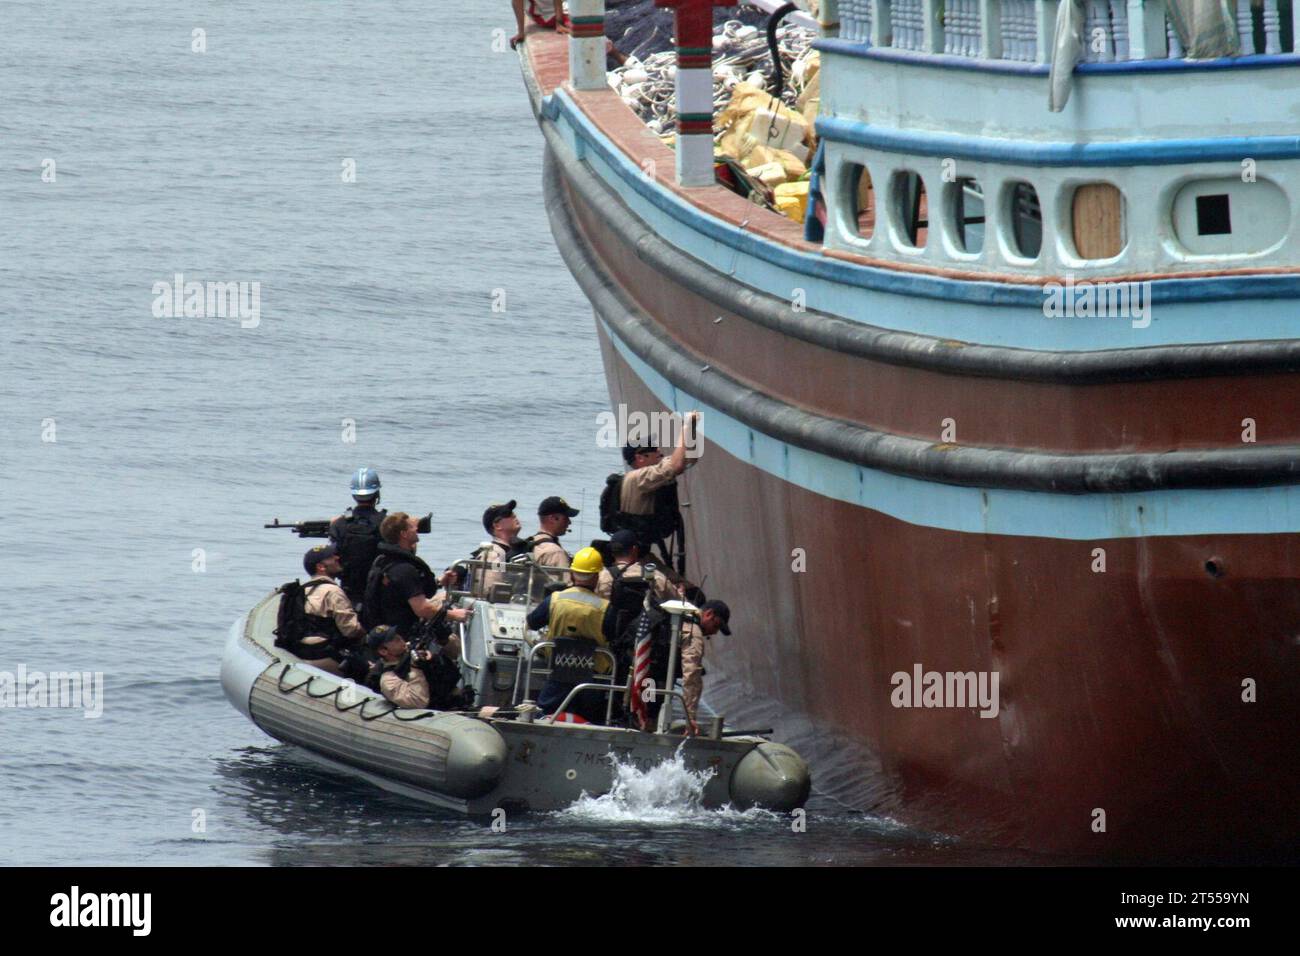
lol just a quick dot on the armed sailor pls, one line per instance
(402, 590)
(356, 533)
(411, 678)
(409, 688)
(554, 517)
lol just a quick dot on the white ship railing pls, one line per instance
(1021, 30)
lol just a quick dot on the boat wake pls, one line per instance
(667, 794)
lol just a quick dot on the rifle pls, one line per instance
(321, 529)
(424, 635)
(305, 529)
(434, 630)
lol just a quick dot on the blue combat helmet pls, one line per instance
(365, 483)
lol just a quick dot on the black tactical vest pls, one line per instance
(357, 536)
(372, 610)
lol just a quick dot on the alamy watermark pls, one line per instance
(663, 430)
(1102, 300)
(55, 689)
(208, 300)
(75, 908)
(956, 689)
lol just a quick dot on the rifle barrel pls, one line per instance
(304, 529)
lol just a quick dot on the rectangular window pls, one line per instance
(1212, 218)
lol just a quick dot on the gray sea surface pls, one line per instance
(142, 453)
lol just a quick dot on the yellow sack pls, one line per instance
(769, 174)
(792, 200)
(782, 127)
(792, 167)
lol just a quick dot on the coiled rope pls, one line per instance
(741, 55)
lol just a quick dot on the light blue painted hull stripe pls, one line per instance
(1089, 517)
(928, 305)
(855, 48)
(1020, 153)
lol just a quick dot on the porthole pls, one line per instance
(966, 212)
(862, 196)
(1025, 220)
(1097, 221)
(909, 208)
(1230, 216)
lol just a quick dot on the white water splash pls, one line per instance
(669, 793)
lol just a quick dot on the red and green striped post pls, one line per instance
(587, 44)
(693, 27)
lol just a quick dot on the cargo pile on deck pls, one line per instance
(766, 143)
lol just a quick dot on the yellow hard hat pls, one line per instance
(587, 561)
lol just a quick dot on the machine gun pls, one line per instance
(304, 529)
(321, 529)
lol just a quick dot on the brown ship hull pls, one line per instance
(1119, 691)
(1132, 580)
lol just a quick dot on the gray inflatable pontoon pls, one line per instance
(474, 765)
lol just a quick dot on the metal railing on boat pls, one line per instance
(520, 581)
(528, 671)
(525, 583)
(1022, 30)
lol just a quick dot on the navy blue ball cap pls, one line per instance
(314, 556)
(630, 451)
(497, 511)
(620, 541)
(721, 612)
(555, 505)
(381, 635)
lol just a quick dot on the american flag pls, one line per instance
(641, 670)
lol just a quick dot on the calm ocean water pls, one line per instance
(142, 453)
